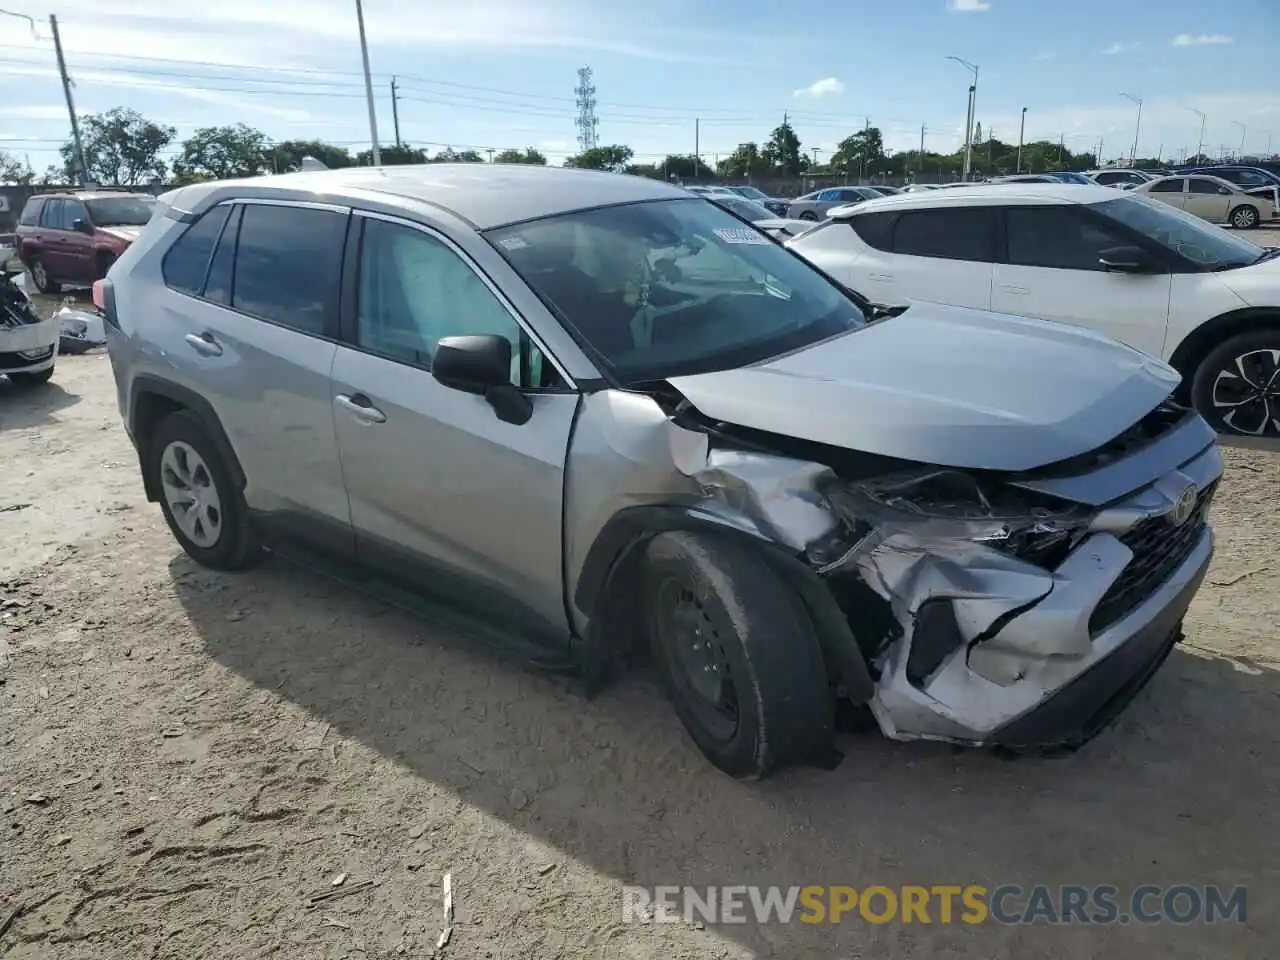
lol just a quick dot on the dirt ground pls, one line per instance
(186, 758)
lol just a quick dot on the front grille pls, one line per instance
(1158, 550)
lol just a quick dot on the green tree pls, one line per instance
(743, 163)
(288, 154)
(449, 155)
(782, 153)
(528, 156)
(650, 170)
(860, 153)
(121, 148)
(223, 153)
(685, 166)
(613, 158)
(392, 156)
(14, 172)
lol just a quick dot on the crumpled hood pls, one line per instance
(947, 386)
(124, 233)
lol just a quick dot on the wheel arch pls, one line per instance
(1196, 345)
(151, 399)
(602, 593)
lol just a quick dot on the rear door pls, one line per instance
(258, 339)
(1051, 271)
(1207, 199)
(943, 254)
(53, 239)
(443, 493)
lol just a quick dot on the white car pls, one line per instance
(1203, 299)
(1119, 177)
(28, 344)
(1212, 198)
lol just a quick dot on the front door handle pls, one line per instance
(204, 344)
(360, 407)
(1010, 288)
(883, 277)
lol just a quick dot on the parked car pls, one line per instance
(919, 187)
(1119, 177)
(1255, 181)
(1071, 177)
(1211, 198)
(710, 191)
(28, 343)
(816, 205)
(779, 228)
(75, 237)
(474, 380)
(1025, 178)
(1202, 299)
(885, 190)
(775, 205)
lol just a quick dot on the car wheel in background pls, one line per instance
(105, 260)
(1244, 217)
(808, 215)
(40, 277)
(201, 504)
(36, 379)
(1236, 388)
(737, 653)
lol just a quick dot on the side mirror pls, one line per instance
(481, 365)
(1127, 259)
(80, 225)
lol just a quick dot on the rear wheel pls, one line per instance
(808, 215)
(1244, 217)
(737, 653)
(105, 260)
(1236, 388)
(29, 379)
(40, 277)
(201, 504)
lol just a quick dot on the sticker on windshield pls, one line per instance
(742, 235)
(513, 243)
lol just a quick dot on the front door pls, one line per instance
(1052, 272)
(1207, 199)
(443, 493)
(79, 263)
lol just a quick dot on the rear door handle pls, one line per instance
(883, 277)
(204, 344)
(360, 407)
(1010, 288)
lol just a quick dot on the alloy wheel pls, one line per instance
(1244, 218)
(191, 494)
(1246, 393)
(39, 275)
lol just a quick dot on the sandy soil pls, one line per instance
(186, 758)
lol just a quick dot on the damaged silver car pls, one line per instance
(585, 415)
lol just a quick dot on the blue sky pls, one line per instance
(501, 73)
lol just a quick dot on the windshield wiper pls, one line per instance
(1269, 253)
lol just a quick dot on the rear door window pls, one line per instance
(51, 216)
(185, 265)
(288, 261)
(31, 212)
(955, 233)
(217, 285)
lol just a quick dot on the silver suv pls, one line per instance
(589, 414)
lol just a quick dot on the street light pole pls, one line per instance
(968, 123)
(1021, 130)
(1243, 130)
(1200, 145)
(1137, 129)
(368, 87)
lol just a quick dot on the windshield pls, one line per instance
(671, 287)
(746, 209)
(120, 211)
(751, 193)
(1072, 178)
(1196, 239)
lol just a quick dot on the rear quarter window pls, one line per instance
(31, 212)
(185, 264)
(875, 229)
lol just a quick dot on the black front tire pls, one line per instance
(104, 264)
(40, 277)
(238, 545)
(28, 379)
(763, 639)
(1208, 391)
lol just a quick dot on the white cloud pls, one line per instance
(968, 6)
(827, 87)
(1119, 47)
(1044, 56)
(1201, 40)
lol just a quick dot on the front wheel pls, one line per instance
(1244, 217)
(738, 655)
(204, 510)
(1236, 388)
(809, 215)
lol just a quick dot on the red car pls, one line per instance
(74, 238)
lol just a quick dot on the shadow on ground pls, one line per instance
(23, 407)
(1173, 793)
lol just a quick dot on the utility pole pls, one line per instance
(968, 122)
(1133, 151)
(395, 110)
(80, 172)
(368, 88)
(991, 142)
(1243, 131)
(1022, 129)
(697, 145)
(922, 148)
(1061, 138)
(489, 150)
(1200, 145)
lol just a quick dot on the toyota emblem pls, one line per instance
(1184, 506)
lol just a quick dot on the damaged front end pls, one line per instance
(990, 608)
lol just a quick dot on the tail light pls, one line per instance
(104, 298)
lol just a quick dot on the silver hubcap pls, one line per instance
(1246, 393)
(1245, 217)
(190, 492)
